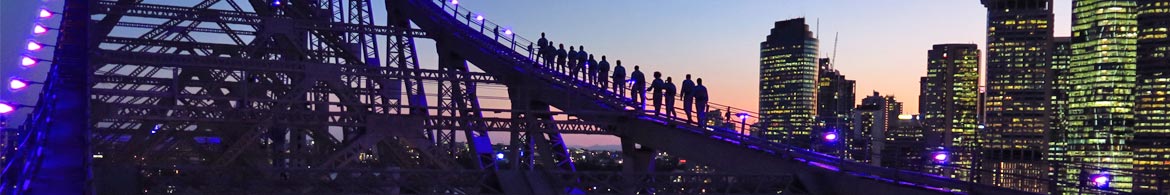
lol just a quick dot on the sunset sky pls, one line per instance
(882, 44)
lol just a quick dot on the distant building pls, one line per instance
(835, 98)
(867, 138)
(1057, 143)
(1101, 101)
(788, 82)
(1014, 141)
(1152, 130)
(947, 104)
(893, 110)
(905, 144)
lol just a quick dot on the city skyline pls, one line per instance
(887, 60)
(331, 96)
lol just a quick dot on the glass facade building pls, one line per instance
(1101, 101)
(1014, 140)
(788, 83)
(947, 104)
(835, 98)
(1058, 123)
(1151, 142)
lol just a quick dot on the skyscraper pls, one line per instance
(905, 146)
(948, 103)
(1019, 37)
(788, 82)
(1058, 123)
(871, 122)
(835, 97)
(893, 110)
(1101, 101)
(1151, 140)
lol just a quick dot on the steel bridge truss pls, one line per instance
(316, 97)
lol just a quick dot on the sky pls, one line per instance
(880, 44)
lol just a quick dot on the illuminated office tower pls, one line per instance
(1058, 123)
(1151, 141)
(1014, 140)
(788, 82)
(947, 103)
(1101, 101)
(835, 97)
(905, 146)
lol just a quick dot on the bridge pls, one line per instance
(321, 97)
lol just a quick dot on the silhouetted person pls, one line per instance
(532, 55)
(603, 73)
(549, 53)
(656, 89)
(593, 69)
(561, 57)
(669, 97)
(638, 88)
(582, 59)
(542, 42)
(619, 79)
(688, 96)
(497, 32)
(701, 102)
(573, 63)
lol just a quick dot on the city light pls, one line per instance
(34, 46)
(45, 13)
(500, 156)
(39, 29)
(742, 116)
(276, 3)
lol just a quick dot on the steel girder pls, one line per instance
(278, 87)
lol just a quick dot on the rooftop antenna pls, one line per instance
(834, 64)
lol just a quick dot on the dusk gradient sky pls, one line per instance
(882, 44)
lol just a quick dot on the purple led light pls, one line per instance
(508, 32)
(1101, 180)
(33, 46)
(455, 2)
(940, 157)
(27, 61)
(5, 108)
(831, 137)
(45, 13)
(38, 29)
(17, 84)
(479, 17)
